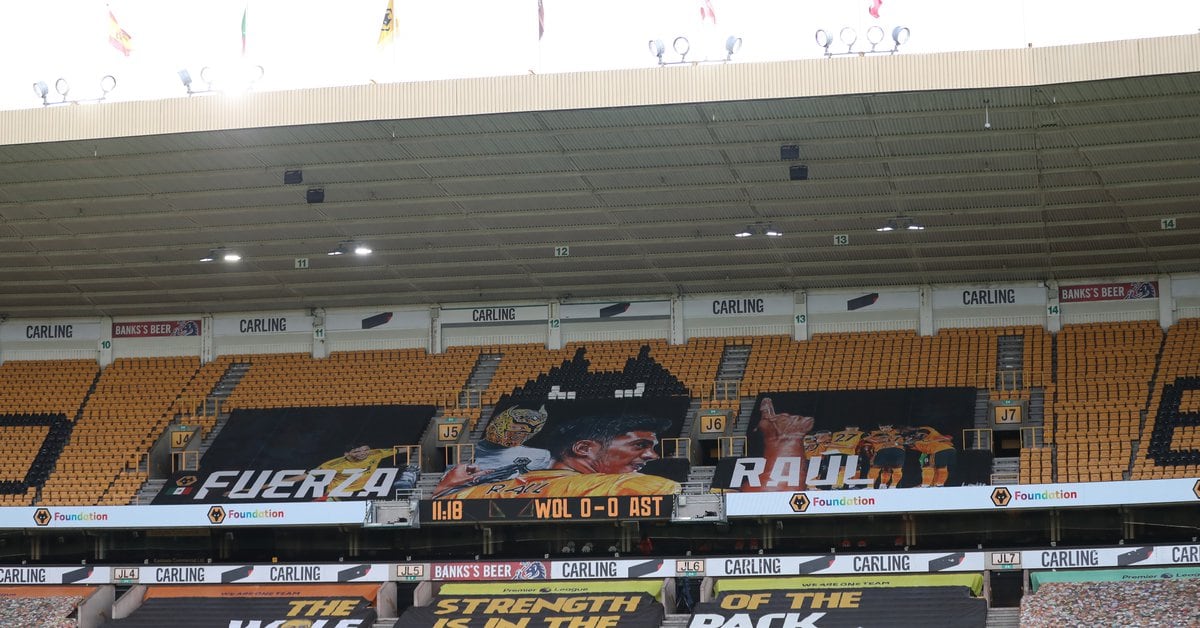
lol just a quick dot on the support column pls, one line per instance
(320, 349)
(435, 330)
(206, 339)
(800, 316)
(554, 332)
(106, 356)
(1166, 302)
(1053, 314)
(677, 320)
(100, 546)
(489, 542)
(925, 314)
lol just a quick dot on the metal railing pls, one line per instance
(676, 448)
(726, 390)
(731, 446)
(977, 439)
(1033, 437)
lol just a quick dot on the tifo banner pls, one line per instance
(857, 439)
(612, 610)
(304, 454)
(156, 329)
(592, 455)
(1038, 578)
(963, 498)
(920, 607)
(931, 563)
(597, 459)
(299, 610)
(1108, 291)
(973, 582)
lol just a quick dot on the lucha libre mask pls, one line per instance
(514, 426)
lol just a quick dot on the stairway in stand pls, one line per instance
(212, 403)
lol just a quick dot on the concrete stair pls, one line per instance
(1003, 618)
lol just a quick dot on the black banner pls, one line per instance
(919, 607)
(857, 439)
(575, 433)
(204, 612)
(612, 610)
(304, 454)
(556, 509)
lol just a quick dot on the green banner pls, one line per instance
(1038, 578)
(972, 581)
(649, 587)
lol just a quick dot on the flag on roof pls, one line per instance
(117, 36)
(874, 10)
(707, 12)
(541, 20)
(244, 11)
(387, 29)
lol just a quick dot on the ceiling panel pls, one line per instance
(1069, 181)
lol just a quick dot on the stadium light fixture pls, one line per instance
(682, 46)
(905, 223)
(759, 228)
(231, 79)
(350, 246)
(108, 83)
(220, 253)
(732, 44)
(874, 36)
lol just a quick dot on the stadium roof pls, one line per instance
(465, 188)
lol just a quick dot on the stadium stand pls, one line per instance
(18, 450)
(127, 412)
(1104, 376)
(43, 607)
(45, 386)
(190, 408)
(1169, 441)
(944, 600)
(400, 376)
(262, 605)
(892, 359)
(693, 363)
(1160, 602)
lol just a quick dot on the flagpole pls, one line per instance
(541, 13)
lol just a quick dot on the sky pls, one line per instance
(316, 43)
